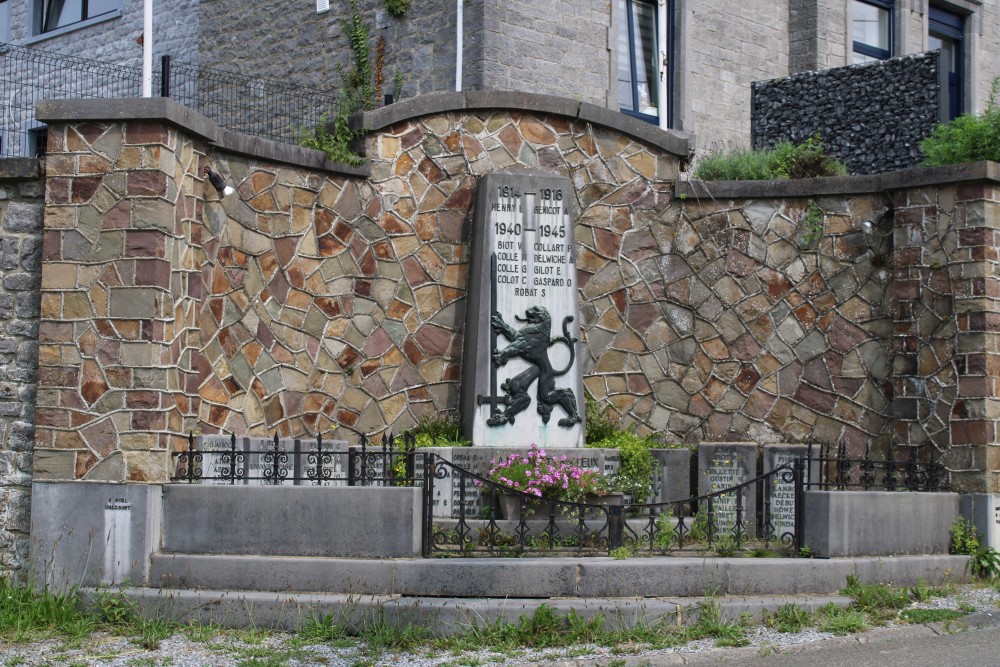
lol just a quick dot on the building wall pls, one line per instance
(21, 206)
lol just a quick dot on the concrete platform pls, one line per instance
(438, 615)
(540, 578)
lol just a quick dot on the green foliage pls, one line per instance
(786, 160)
(875, 598)
(964, 537)
(921, 592)
(440, 430)
(710, 624)
(968, 138)
(603, 421)
(27, 614)
(397, 8)
(812, 225)
(832, 618)
(636, 471)
(788, 618)
(725, 546)
(620, 553)
(985, 563)
(930, 615)
(666, 531)
(336, 144)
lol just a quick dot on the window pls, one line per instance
(947, 32)
(871, 30)
(55, 14)
(639, 59)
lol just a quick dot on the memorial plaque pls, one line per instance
(216, 455)
(782, 492)
(326, 469)
(723, 466)
(260, 462)
(672, 477)
(522, 383)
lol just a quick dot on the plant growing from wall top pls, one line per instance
(967, 138)
(807, 159)
(361, 90)
(397, 8)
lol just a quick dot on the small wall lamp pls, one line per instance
(220, 185)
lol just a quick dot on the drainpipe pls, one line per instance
(147, 48)
(661, 40)
(458, 45)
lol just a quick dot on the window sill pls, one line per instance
(35, 39)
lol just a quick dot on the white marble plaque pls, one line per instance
(521, 376)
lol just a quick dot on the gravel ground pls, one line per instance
(265, 649)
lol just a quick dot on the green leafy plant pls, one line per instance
(964, 537)
(812, 224)
(725, 546)
(788, 618)
(620, 553)
(968, 138)
(807, 159)
(984, 560)
(397, 8)
(603, 421)
(985, 563)
(838, 621)
(930, 615)
(636, 470)
(666, 531)
(440, 430)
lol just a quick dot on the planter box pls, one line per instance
(878, 523)
(510, 506)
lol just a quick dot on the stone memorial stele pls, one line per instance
(782, 491)
(722, 466)
(521, 377)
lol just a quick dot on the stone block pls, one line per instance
(93, 534)
(878, 523)
(672, 477)
(723, 465)
(354, 522)
(983, 510)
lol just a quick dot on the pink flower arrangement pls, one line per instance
(539, 475)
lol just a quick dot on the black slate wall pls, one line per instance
(872, 117)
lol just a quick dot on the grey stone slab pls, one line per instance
(139, 108)
(781, 489)
(652, 577)
(672, 477)
(521, 373)
(878, 523)
(494, 577)
(292, 521)
(785, 576)
(93, 533)
(935, 570)
(505, 99)
(414, 107)
(19, 168)
(983, 510)
(340, 575)
(726, 465)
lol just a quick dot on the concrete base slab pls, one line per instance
(663, 577)
(438, 615)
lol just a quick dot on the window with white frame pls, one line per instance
(639, 59)
(871, 30)
(52, 15)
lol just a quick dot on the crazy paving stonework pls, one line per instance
(118, 322)
(312, 300)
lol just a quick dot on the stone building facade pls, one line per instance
(710, 52)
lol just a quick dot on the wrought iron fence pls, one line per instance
(256, 106)
(837, 471)
(232, 461)
(505, 522)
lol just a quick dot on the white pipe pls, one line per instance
(664, 58)
(458, 45)
(147, 48)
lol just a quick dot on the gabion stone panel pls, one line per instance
(872, 117)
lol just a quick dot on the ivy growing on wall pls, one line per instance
(397, 8)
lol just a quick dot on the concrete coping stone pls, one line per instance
(166, 110)
(671, 141)
(19, 168)
(841, 185)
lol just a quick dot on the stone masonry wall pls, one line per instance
(947, 358)
(118, 334)
(21, 206)
(872, 117)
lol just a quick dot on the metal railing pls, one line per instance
(838, 472)
(256, 106)
(317, 462)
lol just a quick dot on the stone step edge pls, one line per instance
(288, 611)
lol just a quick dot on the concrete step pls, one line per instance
(523, 578)
(288, 611)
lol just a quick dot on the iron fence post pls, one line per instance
(615, 527)
(427, 509)
(232, 459)
(352, 453)
(190, 458)
(164, 76)
(800, 497)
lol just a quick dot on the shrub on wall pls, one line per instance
(786, 160)
(968, 138)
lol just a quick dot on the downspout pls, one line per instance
(661, 41)
(458, 45)
(147, 48)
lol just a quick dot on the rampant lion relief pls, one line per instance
(531, 343)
